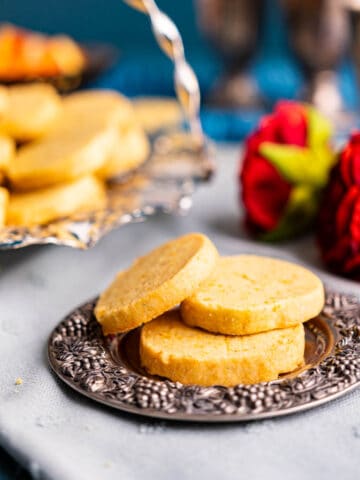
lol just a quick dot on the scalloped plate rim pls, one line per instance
(213, 417)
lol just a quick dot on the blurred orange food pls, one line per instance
(27, 55)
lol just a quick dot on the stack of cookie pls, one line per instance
(213, 320)
(56, 153)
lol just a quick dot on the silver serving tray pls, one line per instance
(108, 371)
(166, 182)
(179, 160)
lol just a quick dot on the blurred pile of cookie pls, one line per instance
(56, 153)
(25, 54)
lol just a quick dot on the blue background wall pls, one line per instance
(109, 20)
(144, 70)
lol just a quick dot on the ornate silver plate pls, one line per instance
(178, 161)
(107, 370)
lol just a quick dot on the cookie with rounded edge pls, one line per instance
(79, 142)
(155, 283)
(7, 152)
(4, 100)
(31, 111)
(169, 348)
(106, 106)
(247, 294)
(44, 205)
(62, 156)
(4, 201)
(156, 113)
(129, 152)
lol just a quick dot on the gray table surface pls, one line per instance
(58, 434)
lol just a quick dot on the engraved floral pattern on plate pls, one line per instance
(108, 370)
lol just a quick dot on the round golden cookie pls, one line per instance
(4, 200)
(97, 105)
(62, 156)
(79, 142)
(32, 109)
(4, 100)
(248, 294)
(155, 113)
(171, 349)
(44, 205)
(129, 152)
(7, 152)
(155, 283)
(67, 54)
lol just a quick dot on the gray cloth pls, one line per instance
(58, 434)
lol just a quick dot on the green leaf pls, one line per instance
(299, 215)
(296, 164)
(320, 130)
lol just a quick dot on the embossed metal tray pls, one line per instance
(108, 371)
(165, 183)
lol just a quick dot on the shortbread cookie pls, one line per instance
(107, 107)
(171, 349)
(156, 113)
(248, 294)
(44, 205)
(31, 111)
(4, 200)
(130, 151)
(155, 283)
(7, 152)
(79, 143)
(98, 105)
(4, 101)
(62, 156)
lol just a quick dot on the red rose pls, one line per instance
(339, 217)
(265, 192)
(287, 125)
(285, 165)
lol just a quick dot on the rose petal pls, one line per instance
(265, 193)
(327, 212)
(355, 165)
(349, 164)
(345, 211)
(287, 125)
(349, 161)
(344, 164)
(292, 121)
(355, 221)
(351, 266)
(335, 257)
(355, 138)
